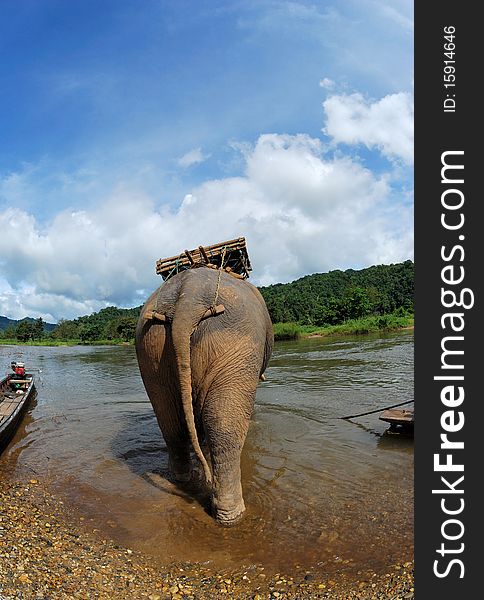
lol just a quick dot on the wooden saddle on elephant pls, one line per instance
(231, 256)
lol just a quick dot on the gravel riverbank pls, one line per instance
(48, 552)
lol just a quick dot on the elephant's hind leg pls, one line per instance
(158, 370)
(226, 428)
(175, 434)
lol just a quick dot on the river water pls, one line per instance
(320, 492)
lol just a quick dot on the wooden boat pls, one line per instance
(231, 256)
(14, 397)
(400, 420)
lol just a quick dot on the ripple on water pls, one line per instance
(318, 490)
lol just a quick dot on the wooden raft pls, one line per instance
(398, 418)
(231, 255)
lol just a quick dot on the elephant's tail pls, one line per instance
(181, 333)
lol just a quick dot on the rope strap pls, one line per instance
(219, 276)
(371, 412)
(212, 310)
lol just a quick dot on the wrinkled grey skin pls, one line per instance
(201, 376)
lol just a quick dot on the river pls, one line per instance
(321, 492)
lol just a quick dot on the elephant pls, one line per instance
(201, 374)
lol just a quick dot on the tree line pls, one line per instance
(320, 299)
(335, 297)
(26, 330)
(109, 324)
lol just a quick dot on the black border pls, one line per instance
(435, 132)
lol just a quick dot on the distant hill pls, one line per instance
(5, 322)
(330, 298)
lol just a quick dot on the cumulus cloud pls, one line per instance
(193, 157)
(385, 124)
(301, 210)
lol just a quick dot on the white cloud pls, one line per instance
(401, 13)
(25, 300)
(327, 84)
(301, 211)
(386, 124)
(193, 157)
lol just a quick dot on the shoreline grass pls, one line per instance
(51, 342)
(371, 324)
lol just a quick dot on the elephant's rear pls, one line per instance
(202, 372)
(240, 339)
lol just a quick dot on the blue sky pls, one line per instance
(131, 129)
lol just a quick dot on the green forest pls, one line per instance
(110, 324)
(335, 297)
(378, 297)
